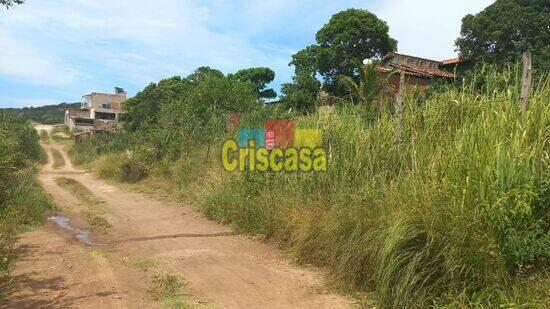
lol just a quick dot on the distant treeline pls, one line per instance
(49, 114)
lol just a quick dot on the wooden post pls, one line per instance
(526, 78)
(399, 109)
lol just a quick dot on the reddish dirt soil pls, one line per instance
(222, 270)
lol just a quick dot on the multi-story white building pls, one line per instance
(97, 112)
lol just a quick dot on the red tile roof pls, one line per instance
(451, 61)
(418, 71)
(412, 70)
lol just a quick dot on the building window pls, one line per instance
(106, 106)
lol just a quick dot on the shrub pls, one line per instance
(22, 203)
(132, 171)
(453, 214)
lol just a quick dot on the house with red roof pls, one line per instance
(419, 72)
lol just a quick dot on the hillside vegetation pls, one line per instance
(22, 202)
(457, 214)
(48, 114)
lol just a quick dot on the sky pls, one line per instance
(54, 51)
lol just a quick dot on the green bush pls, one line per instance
(454, 214)
(90, 148)
(22, 202)
(132, 171)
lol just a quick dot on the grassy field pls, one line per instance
(23, 204)
(456, 215)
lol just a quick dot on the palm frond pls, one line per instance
(349, 84)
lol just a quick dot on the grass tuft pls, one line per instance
(168, 289)
(456, 215)
(58, 160)
(79, 191)
(98, 221)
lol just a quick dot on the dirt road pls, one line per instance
(222, 270)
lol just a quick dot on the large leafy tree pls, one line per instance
(350, 34)
(144, 107)
(9, 3)
(259, 78)
(505, 29)
(301, 94)
(204, 73)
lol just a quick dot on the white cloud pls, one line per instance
(20, 60)
(427, 28)
(26, 102)
(83, 45)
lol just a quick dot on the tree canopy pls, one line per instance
(505, 29)
(259, 78)
(350, 34)
(202, 93)
(205, 72)
(9, 3)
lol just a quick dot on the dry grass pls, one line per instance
(454, 216)
(98, 221)
(80, 191)
(58, 160)
(168, 290)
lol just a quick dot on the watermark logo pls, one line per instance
(279, 146)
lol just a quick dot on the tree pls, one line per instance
(369, 86)
(350, 34)
(259, 78)
(145, 106)
(305, 60)
(202, 112)
(505, 29)
(202, 73)
(9, 3)
(301, 94)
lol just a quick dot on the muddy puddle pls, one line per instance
(83, 236)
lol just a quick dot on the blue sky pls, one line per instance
(53, 51)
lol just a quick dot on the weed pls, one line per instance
(145, 264)
(79, 191)
(98, 221)
(168, 290)
(44, 137)
(22, 202)
(58, 160)
(456, 214)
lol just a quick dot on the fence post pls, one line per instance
(525, 82)
(399, 106)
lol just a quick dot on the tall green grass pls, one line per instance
(455, 215)
(90, 148)
(22, 202)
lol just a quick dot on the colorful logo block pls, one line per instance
(258, 135)
(279, 133)
(311, 138)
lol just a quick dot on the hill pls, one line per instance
(48, 114)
